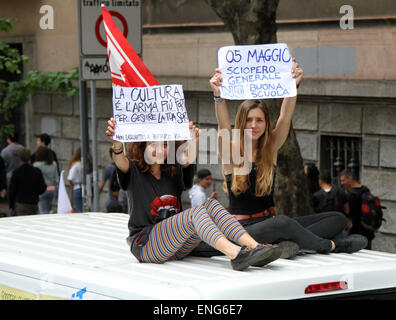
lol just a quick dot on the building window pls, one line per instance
(340, 153)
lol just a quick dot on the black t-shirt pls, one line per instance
(147, 194)
(27, 183)
(248, 203)
(332, 200)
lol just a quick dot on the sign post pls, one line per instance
(94, 65)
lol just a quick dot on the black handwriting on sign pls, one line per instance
(98, 68)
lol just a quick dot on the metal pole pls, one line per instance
(83, 112)
(94, 148)
(84, 139)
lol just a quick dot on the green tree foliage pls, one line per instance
(15, 93)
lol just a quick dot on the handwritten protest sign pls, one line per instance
(256, 72)
(155, 113)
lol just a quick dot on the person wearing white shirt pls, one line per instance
(197, 192)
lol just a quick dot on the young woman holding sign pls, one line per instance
(251, 193)
(159, 229)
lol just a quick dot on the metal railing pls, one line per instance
(339, 153)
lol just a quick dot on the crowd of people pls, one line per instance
(28, 181)
(345, 197)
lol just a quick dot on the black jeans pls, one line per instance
(312, 232)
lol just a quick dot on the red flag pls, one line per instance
(127, 69)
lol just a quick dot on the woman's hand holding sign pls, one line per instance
(297, 72)
(190, 147)
(118, 154)
(195, 132)
(110, 130)
(216, 82)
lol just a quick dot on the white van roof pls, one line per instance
(85, 256)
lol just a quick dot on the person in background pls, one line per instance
(3, 179)
(44, 140)
(112, 195)
(26, 184)
(312, 173)
(10, 156)
(330, 197)
(45, 162)
(75, 180)
(354, 194)
(197, 192)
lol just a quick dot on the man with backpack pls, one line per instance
(330, 197)
(365, 209)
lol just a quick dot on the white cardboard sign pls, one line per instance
(256, 72)
(155, 113)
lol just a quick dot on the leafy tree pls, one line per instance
(254, 22)
(15, 90)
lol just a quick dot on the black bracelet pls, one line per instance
(117, 152)
(217, 99)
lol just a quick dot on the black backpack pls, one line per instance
(372, 215)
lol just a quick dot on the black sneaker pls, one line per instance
(276, 253)
(246, 258)
(351, 243)
(289, 249)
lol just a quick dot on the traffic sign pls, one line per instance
(96, 68)
(127, 16)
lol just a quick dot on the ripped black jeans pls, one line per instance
(312, 232)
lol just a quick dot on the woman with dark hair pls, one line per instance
(159, 230)
(250, 183)
(44, 160)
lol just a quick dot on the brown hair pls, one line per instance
(24, 155)
(77, 157)
(135, 151)
(264, 156)
(44, 154)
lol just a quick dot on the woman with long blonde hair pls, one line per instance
(250, 182)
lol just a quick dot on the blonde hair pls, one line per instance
(264, 156)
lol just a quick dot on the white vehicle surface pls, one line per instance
(85, 256)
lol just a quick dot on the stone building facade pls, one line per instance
(347, 97)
